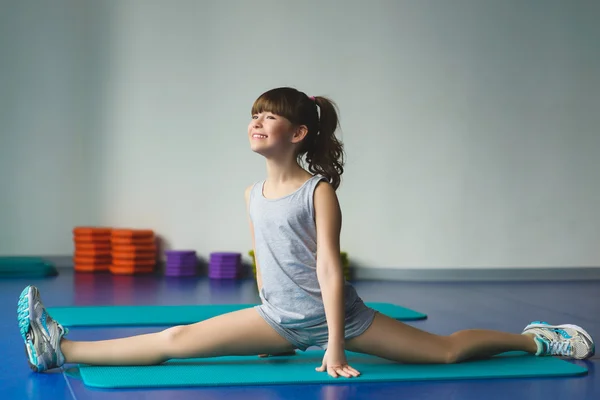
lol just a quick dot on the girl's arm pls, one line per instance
(329, 273)
(328, 218)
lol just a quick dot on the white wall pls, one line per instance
(471, 127)
(50, 120)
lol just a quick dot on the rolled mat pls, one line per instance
(26, 267)
(300, 369)
(181, 314)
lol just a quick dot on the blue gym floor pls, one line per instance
(450, 307)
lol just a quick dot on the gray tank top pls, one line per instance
(286, 244)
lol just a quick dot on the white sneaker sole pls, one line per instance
(26, 304)
(563, 326)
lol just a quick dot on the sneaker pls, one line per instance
(41, 333)
(561, 340)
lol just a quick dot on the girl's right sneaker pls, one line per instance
(41, 333)
(561, 340)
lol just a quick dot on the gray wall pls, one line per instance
(51, 119)
(471, 127)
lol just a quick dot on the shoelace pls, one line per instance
(563, 333)
(562, 348)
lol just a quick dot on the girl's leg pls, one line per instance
(396, 341)
(242, 332)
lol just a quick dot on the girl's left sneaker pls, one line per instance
(561, 340)
(41, 333)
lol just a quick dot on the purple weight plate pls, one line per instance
(225, 258)
(181, 267)
(180, 252)
(224, 270)
(213, 258)
(181, 260)
(222, 277)
(224, 263)
(225, 254)
(223, 273)
(180, 273)
(179, 255)
(192, 268)
(182, 264)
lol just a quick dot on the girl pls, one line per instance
(294, 216)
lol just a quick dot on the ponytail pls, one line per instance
(324, 152)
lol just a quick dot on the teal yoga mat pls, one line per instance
(183, 314)
(300, 369)
(26, 267)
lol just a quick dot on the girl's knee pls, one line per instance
(450, 351)
(172, 335)
(171, 339)
(451, 357)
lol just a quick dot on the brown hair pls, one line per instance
(324, 153)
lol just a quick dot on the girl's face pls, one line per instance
(269, 133)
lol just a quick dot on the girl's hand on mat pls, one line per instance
(335, 363)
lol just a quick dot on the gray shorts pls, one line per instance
(358, 319)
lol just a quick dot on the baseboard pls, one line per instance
(443, 274)
(479, 274)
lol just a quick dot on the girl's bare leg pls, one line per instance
(241, 332)
(396, 341)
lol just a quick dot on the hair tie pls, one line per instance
(312, 98)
